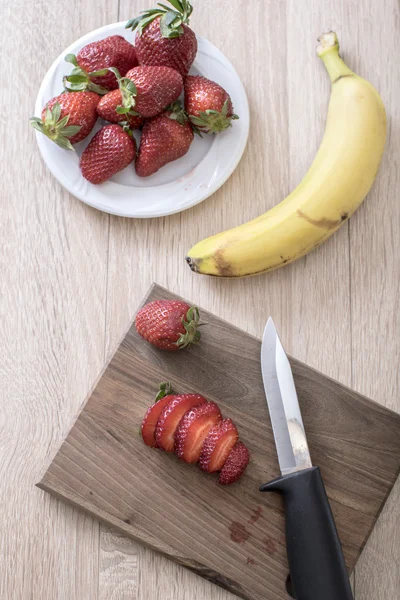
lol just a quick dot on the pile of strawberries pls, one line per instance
(136, 87)
(187, 424)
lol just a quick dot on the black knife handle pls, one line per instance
(316, 563)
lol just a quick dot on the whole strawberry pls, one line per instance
(165, 138)
(154, 89)
(111, 150)
(68, 118)
(108, 106)
(208, 105)
(169, 324)
(93, 61)
(163, 37)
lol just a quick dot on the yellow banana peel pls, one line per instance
(338, 180)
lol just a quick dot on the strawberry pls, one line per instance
(163, 37)
(169, 324)
(150, 419)
(208, 105)
(153, 90)
(92, 63)
(111, 150)
(235, 464)
(218, 445)
(68, 118)
(193, 429)
(171, 416)
(107, 110)
(165, 138)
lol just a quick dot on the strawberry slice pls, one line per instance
(218, 445)
(151, 418)
(193, 430)
(235, 464)
(171, 416)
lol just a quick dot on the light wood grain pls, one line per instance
(336, 308)
(104, 467)
(53, 293)
(118, 574)
(375, 269)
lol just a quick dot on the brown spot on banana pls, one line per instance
(224, 267)
(323, 223)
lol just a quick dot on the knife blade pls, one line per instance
(284, 410)
(315, 556)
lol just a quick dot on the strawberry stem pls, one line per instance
(128, 92)
(79, 80)
(214, 121)
(55, 128)
(177, 113)
(126, 127)
(165, 390)
(171, 21)
(191, 324)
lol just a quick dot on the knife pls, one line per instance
(316, 562)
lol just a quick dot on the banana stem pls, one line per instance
(328, 51)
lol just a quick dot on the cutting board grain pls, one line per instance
(233, 536)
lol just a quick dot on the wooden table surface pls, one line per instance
(72, 277)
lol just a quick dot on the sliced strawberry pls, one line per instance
(193, 430)
(235, 464)
(171, 416)
(150, 420)
(217, 446)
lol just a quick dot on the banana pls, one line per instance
(338, 180)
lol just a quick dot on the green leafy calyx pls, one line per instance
(54, 128)
(214, 121)
(190, 323)
(171, 20)
(126, 127)
(177, 113)
(128, 92)
(78, 80)
(165, 390)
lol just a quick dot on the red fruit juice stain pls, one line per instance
(239, 533)
(270, 546)
(255, 516)
(251, 561)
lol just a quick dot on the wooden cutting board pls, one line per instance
(233, 536)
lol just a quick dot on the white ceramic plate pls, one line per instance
(177, 186)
